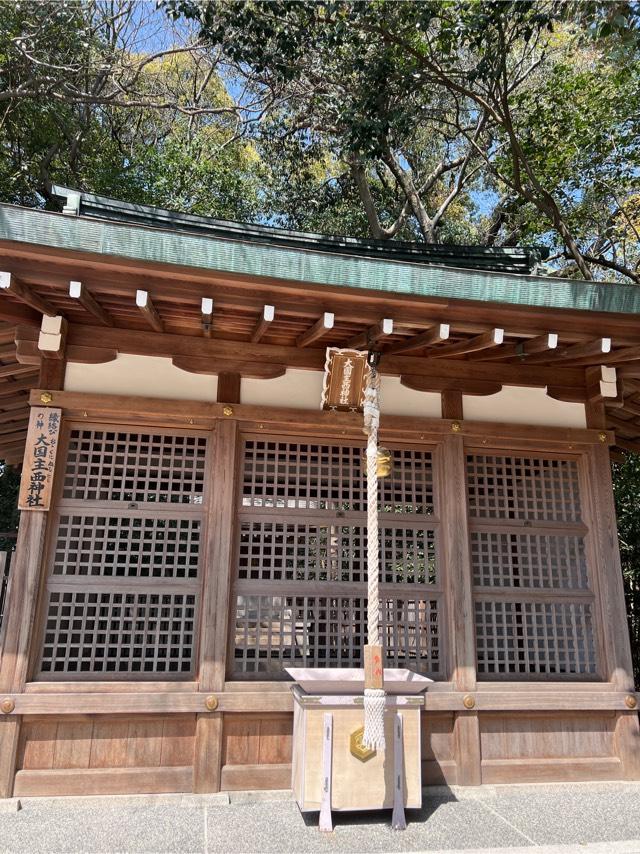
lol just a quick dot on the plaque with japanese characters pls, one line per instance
(39, 458)
(344, 380)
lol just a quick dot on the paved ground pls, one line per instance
(588, 818)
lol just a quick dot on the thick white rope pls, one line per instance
(374, 699)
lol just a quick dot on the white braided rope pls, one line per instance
(374, 699)
(374, 702)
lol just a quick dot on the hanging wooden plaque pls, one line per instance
(345, 378)
(39, 458)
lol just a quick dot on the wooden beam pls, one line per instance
(451, 403)
(15, 438)
(629, 370)
(487, 340)
(53, 337)
(9, 284)
(149, 343)
(16, 370)
(372, 335)
(629, 427)
(228, 387)
(602, 385)
(206, 309)
(425, 339)
(318, 329)
(252, 370)
(569, 394)
(9, 388)
(585, 353)
(539, 344)
(627, 445)
(289, 419)
(452, 384)
(263, 324)
(86, 299)
(149, 311)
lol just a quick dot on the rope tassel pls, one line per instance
(374, 696)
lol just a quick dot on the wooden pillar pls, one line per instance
(618, 663)
(18, 632)
(214, 625)
(459, 582)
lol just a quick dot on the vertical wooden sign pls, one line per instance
(39, 458)
(344, 380)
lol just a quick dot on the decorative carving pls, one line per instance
(630, 701)
(469, 702)
(211, 703)
(456, 427)
(46, 397)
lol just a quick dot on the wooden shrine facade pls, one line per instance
(206, 524)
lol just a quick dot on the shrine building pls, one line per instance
(193, 521)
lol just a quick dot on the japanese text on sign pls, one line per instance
(39, 459)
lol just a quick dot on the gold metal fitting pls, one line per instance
(228, 410)
(456, 427)
(211, 703)
(7, 705)
(469, 702)
(46, 397)
(357, 748)
(191, 421)
(602, 437)
(630, 701)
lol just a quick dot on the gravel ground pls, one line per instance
(602, 818)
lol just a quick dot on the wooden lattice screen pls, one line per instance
(300, 587)
(123, 580)
(534, 607)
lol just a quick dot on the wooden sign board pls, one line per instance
(39, 458)
(345, 378)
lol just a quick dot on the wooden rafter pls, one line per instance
(629, 427)
(206, 312)
(626, 445)
(149, 311)
(586, 352)
(9, 388)
(16, 370)
(319, 328)
(264, 322)
(485, 341)
(522, 349)
(425, 339)
(372, 335)
(86, 299)
(23, 293)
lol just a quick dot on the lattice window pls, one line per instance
(119, 633)
(272, 632)
(516, 487)
(113, 465)
(541, 638)
(305, 476)
(127, 546)
(534, 604)
(280, 551)
(528, 560)
(123, 584)
(300, 589)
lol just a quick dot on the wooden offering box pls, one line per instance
(332, 771)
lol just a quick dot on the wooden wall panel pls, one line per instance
(257, 739)
(439, 765)
(97, 741)
(547, 735)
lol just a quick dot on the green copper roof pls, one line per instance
(501, 259)
(155, 245)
